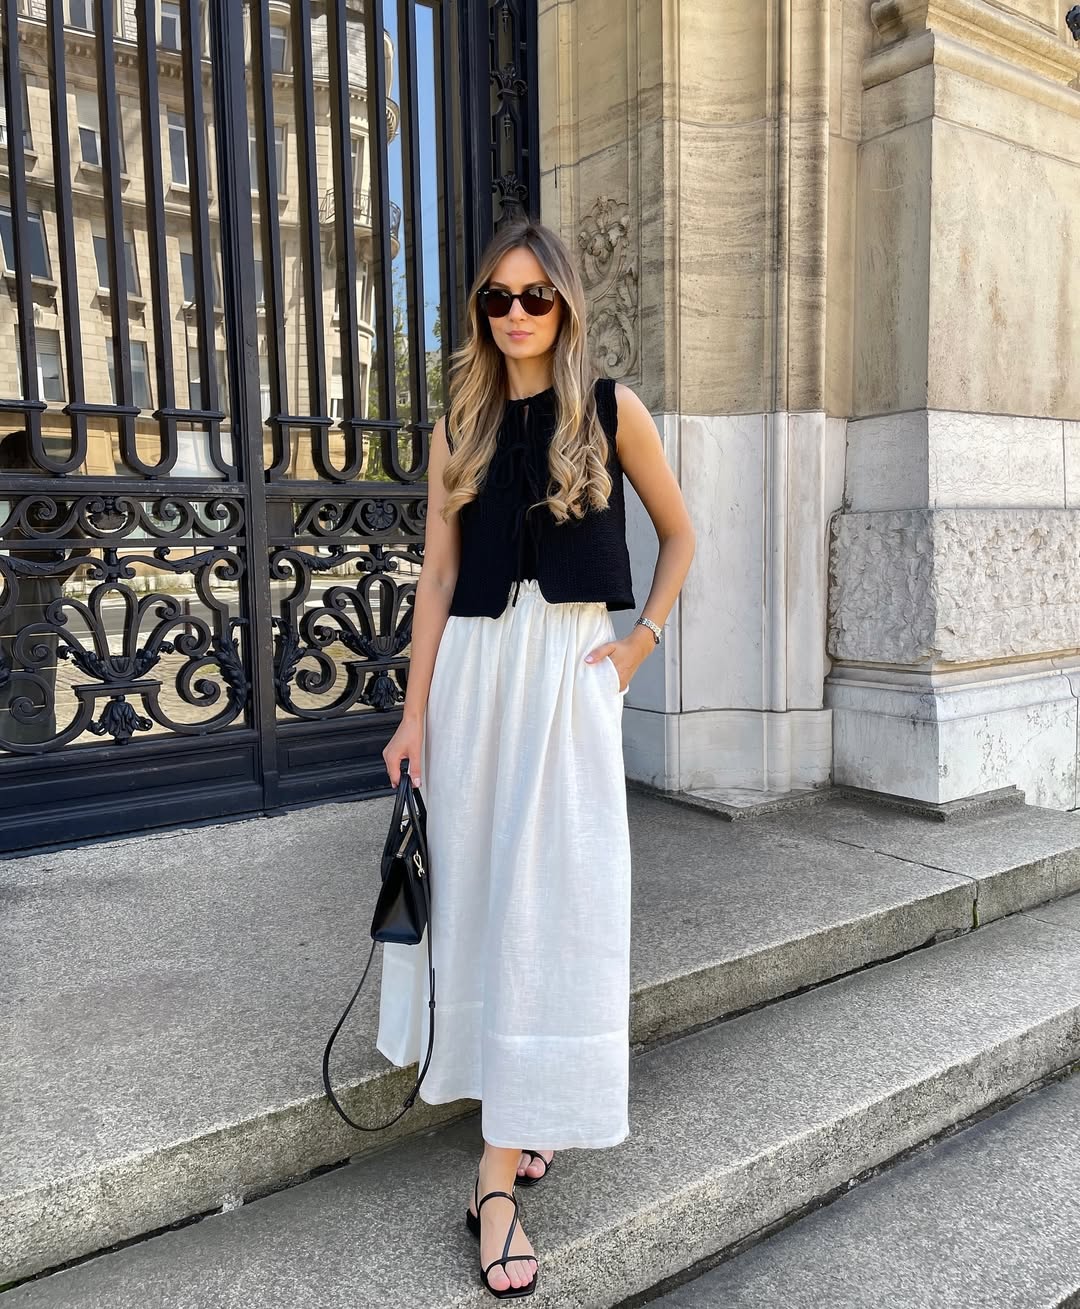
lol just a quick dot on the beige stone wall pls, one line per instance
(730, 135)
(602, 157)
(953, 645)
(710, 125)
(967, 178)
(849, 222)
(826, 201)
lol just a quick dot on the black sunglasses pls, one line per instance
(535, 300)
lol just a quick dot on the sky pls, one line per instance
(429, 195)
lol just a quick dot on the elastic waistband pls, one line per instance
(530, 586)
(526, 584)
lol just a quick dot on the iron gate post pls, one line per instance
(242, 357)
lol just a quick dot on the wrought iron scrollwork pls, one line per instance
(369, 618)
(203, 542)
(513, 122)
(117, 517)
(327, 518)
(101, 653)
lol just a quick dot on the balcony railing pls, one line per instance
(361, 210)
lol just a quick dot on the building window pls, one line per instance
(362, 287)
(39, 252)
(279, 144)
(170, 26)
(140, 373)
(260, 284)
(131, 263)
(278, 178)
(86, 107)
(178, 148)
(337, 400)
(49, 368)
(80, 13)
(264, 387)
(195, 396)
(28, 140)
(196, 399)
(187, 273)
(279, 48)
(357, 166)
(77, 13)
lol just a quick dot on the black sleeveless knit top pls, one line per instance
(503, 542)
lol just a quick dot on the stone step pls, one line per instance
(989, 1217)
(732, 1128)
(168, 997)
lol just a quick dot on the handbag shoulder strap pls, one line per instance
(431, 1029)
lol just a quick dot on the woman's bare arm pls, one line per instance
(641, 453)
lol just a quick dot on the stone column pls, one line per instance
(686, 155)
(954, 613)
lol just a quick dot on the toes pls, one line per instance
(518, 1271)
(521, 1274)
(540, 1166)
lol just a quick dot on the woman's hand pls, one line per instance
(627, 655)
(404, 744)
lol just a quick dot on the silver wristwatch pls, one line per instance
(648, 622)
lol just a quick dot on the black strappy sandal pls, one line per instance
(524, 1179)
(472, 1222)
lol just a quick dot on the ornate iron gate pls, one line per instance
(235, 244)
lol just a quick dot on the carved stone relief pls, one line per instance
(610, 277)
(944, 586)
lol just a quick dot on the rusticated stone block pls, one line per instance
(953, 586)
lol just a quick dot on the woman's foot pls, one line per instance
(534, 1163)
(496, 1215)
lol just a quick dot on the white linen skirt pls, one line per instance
(522, 774)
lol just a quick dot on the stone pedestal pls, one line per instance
(954, 631)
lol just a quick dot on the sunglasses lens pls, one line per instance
(534, 303)
(496, 304)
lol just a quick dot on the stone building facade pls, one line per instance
(828, 243)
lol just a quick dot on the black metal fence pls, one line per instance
(235, 243)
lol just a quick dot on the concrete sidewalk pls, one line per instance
(168, 997)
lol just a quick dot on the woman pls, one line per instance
(513, 722)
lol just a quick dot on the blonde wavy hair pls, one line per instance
(578, 477)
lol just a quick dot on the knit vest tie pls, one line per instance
(506, 535)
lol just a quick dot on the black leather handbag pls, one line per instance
(402, 915)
